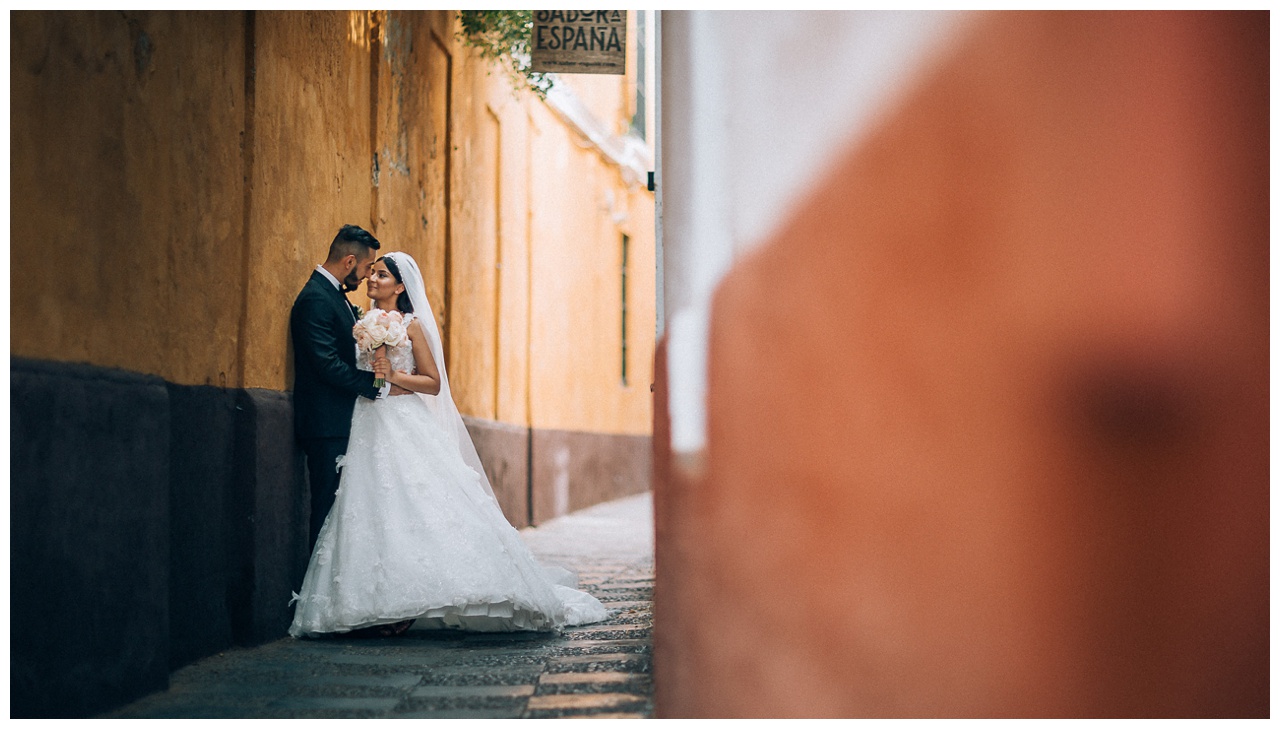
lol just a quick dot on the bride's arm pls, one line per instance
(427, 381)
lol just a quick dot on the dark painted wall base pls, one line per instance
(201, 501)
(153, 524)
(89, 538)
(573, 470)
(543, 474)
(504, 451)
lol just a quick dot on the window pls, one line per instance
(626, 245)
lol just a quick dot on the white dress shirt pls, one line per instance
(332, 279)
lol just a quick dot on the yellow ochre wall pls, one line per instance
(189, 174)
(127, 239)
(576, 360)
(310, 164)
(535, 331)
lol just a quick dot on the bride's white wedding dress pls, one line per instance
(415, 533)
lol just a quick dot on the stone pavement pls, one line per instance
(598, 671)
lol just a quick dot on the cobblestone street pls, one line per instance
(600, 670)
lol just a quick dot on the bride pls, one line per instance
(415, 532)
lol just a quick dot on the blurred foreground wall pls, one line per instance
(176, 176)
(986, 418)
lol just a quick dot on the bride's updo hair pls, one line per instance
(402, 301)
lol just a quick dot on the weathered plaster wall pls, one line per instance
(210, 195)
(576, 327)
(186, 214)
(534, 325)
(485, 233)
(412, 193)
(127, 170)
(311, 139)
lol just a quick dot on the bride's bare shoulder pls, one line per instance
(414, 326)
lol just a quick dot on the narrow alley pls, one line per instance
(929, 352)
(600, 670)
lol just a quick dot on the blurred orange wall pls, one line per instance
(988, 418)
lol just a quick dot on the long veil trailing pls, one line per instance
(441, 405)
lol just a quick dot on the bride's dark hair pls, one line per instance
(402, 301)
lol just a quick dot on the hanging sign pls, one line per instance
(579, 41)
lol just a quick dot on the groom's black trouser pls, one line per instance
(322, 458)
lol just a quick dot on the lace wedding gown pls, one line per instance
(413, 533)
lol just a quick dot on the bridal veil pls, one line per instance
(441, 405)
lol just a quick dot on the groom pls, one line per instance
(326, 381)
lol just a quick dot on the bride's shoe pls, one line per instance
(392, 630)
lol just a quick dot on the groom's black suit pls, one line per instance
(325, 386)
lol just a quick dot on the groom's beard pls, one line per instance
(350, 283)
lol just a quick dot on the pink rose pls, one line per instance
(362, 339)
(395, 334)
(377, 332)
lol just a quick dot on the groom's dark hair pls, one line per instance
(352, 240)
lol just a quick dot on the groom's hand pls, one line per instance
(398, 390)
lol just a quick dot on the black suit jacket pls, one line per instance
(326, 381)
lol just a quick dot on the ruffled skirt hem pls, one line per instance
(501, 617)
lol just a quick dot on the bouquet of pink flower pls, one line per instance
(377, 330)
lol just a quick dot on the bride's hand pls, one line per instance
(391, 376)
(382, 369)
